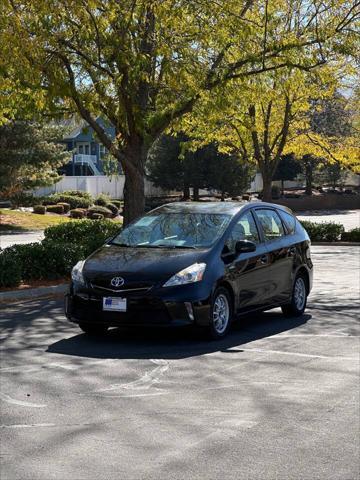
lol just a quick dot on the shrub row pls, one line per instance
(323, 232)
(63, 246)
(351, 236)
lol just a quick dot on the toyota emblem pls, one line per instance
(117, 282)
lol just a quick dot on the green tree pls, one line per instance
(30, 154)
(143, 65)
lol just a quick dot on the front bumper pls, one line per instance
(150, 309)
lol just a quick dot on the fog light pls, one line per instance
(190, 311)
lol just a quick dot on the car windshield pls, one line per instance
(174, 230)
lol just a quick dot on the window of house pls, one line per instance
(270, 223)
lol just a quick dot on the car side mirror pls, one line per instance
(245, 246)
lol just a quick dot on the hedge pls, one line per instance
(63, 246)
(98, 209)
(73, 200)
(351, 236)
(113, 208)
(102, 200)
(37, 261)
(77, 213)
(66, 206)
(39, 209)
(323, 232)
(55, 209)
(88, 233)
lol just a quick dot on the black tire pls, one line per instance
(297, 305)
(219, 328)
(93, 328)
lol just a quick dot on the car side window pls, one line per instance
(244, 229)
(270, 223)
(289, 220)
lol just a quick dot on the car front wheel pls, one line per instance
(298, 300)
(220, 314)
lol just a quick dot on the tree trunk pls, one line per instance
(186, 192)
(196, 194)
(134, 187)
(282, 188)
(308, 178)
(223, 196)
(267, 180)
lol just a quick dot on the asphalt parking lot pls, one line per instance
(277, 399)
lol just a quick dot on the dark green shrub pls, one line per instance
(351, 236)
(323, 232)
(66, 206)
(73, 201)
(40, 209)
(45, 260)
(10, 271)
(113, 208)
(117, 203)
(22, 199)
(77, 213)
(102, 200)
(49, 200)
(87, 233)
(98, 209)
(55, 209)
(97, 216)
(78, 193)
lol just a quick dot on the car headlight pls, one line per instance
(191, 274)
(76, 272)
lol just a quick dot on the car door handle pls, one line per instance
(292, 250)
(264, 259)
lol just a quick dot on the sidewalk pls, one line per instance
(349, 218)
(8, 239)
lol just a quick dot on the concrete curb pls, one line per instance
(33, 293)
(336, 244)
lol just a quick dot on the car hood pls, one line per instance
(139, 266)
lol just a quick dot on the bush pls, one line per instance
(10, 271)
(97, 216)
(22, 199)
(102, 200)
(87, 233)
(39, 209)
(55, 209)
(66, 206)
(351, 236)
(72, 200)
(78, 193)
(46, 260)
(323, 232)
(77, 213)
(113, 208)
(98, 209)
(117, 203)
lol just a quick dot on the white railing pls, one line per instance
(89, 160)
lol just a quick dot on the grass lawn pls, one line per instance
(12, 220)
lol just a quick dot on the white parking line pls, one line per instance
(20, 403)
(306, 355)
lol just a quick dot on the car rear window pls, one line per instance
(289, 220)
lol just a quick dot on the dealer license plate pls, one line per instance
(114, 304)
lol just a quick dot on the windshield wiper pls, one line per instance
(162, 245)
(120, 244)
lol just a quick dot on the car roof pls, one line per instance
(230, 208)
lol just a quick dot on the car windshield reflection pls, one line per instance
(173, 230)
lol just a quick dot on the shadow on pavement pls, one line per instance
(173, 343)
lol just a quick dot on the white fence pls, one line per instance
(113, 186)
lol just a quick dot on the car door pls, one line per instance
(247, 272)
(280, 258)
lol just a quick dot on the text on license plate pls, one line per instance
(114, 304)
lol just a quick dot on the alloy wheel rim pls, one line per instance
(299, 293)
(221, 313)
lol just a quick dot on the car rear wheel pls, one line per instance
(221, 314)
(93, 329)
(298, 300)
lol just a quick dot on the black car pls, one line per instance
(194, 263)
